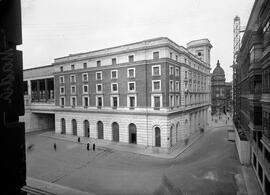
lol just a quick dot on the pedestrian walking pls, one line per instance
(54, 146)
(88, 146)
(79, 139)
(94, 146)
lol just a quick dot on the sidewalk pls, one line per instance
(131, 148)
(252, 184)
(36, 186)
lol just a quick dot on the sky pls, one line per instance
(57, 28)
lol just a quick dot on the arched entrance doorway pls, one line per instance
(100, 132)
(132, 133)
(86, 128)
(63, 126)
(74, 127)
(115, 132)
(157, 137)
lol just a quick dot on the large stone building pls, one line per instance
(252, 91)
(220, 91)
(153, 93)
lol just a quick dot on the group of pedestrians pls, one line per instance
(79, 140)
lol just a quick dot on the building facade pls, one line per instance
(153, 93)
(252, 90)
(220, 91)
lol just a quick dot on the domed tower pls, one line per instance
(200, 48)
(218, 90)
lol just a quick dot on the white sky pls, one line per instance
(56, 28)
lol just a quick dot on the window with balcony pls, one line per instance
(156, 85)
(114, 74)
(156, 70)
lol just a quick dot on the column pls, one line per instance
(46, 90)
(38, 91)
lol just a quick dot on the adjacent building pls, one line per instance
(220, 91)
(153, 93)
(252, 91)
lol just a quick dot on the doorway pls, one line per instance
(132, 133)
(157, 137)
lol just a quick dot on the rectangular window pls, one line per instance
(114, 101)
(98, 63)
(171, 70)
(61, 68)
(99, 88)
(177, 72)
(85, 77)
(72, 67)
(157, 101)
(114, 74)
(177, 86)
(171, 101)
(176, 58)
(99, 101)
(113, 61)
(99, 75)
(85, 89)
(131, 58)
(132, 101)
(156, 70)
(61, 79)
(73, 89)
(156, 55)
(62, 101)
(114, 87)
(85, 101)
(73, 78)
(131, 72)
(171, 85)
(177, 102)
(131, 86)
(84, 65)
(171, 55)
(156, 85)
(73, 101)
(62, 90)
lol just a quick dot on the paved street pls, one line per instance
(208, 167)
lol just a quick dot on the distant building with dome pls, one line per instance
(221, 91)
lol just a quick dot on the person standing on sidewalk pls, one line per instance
(54, 147)
(94, 146)
(88, 146)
